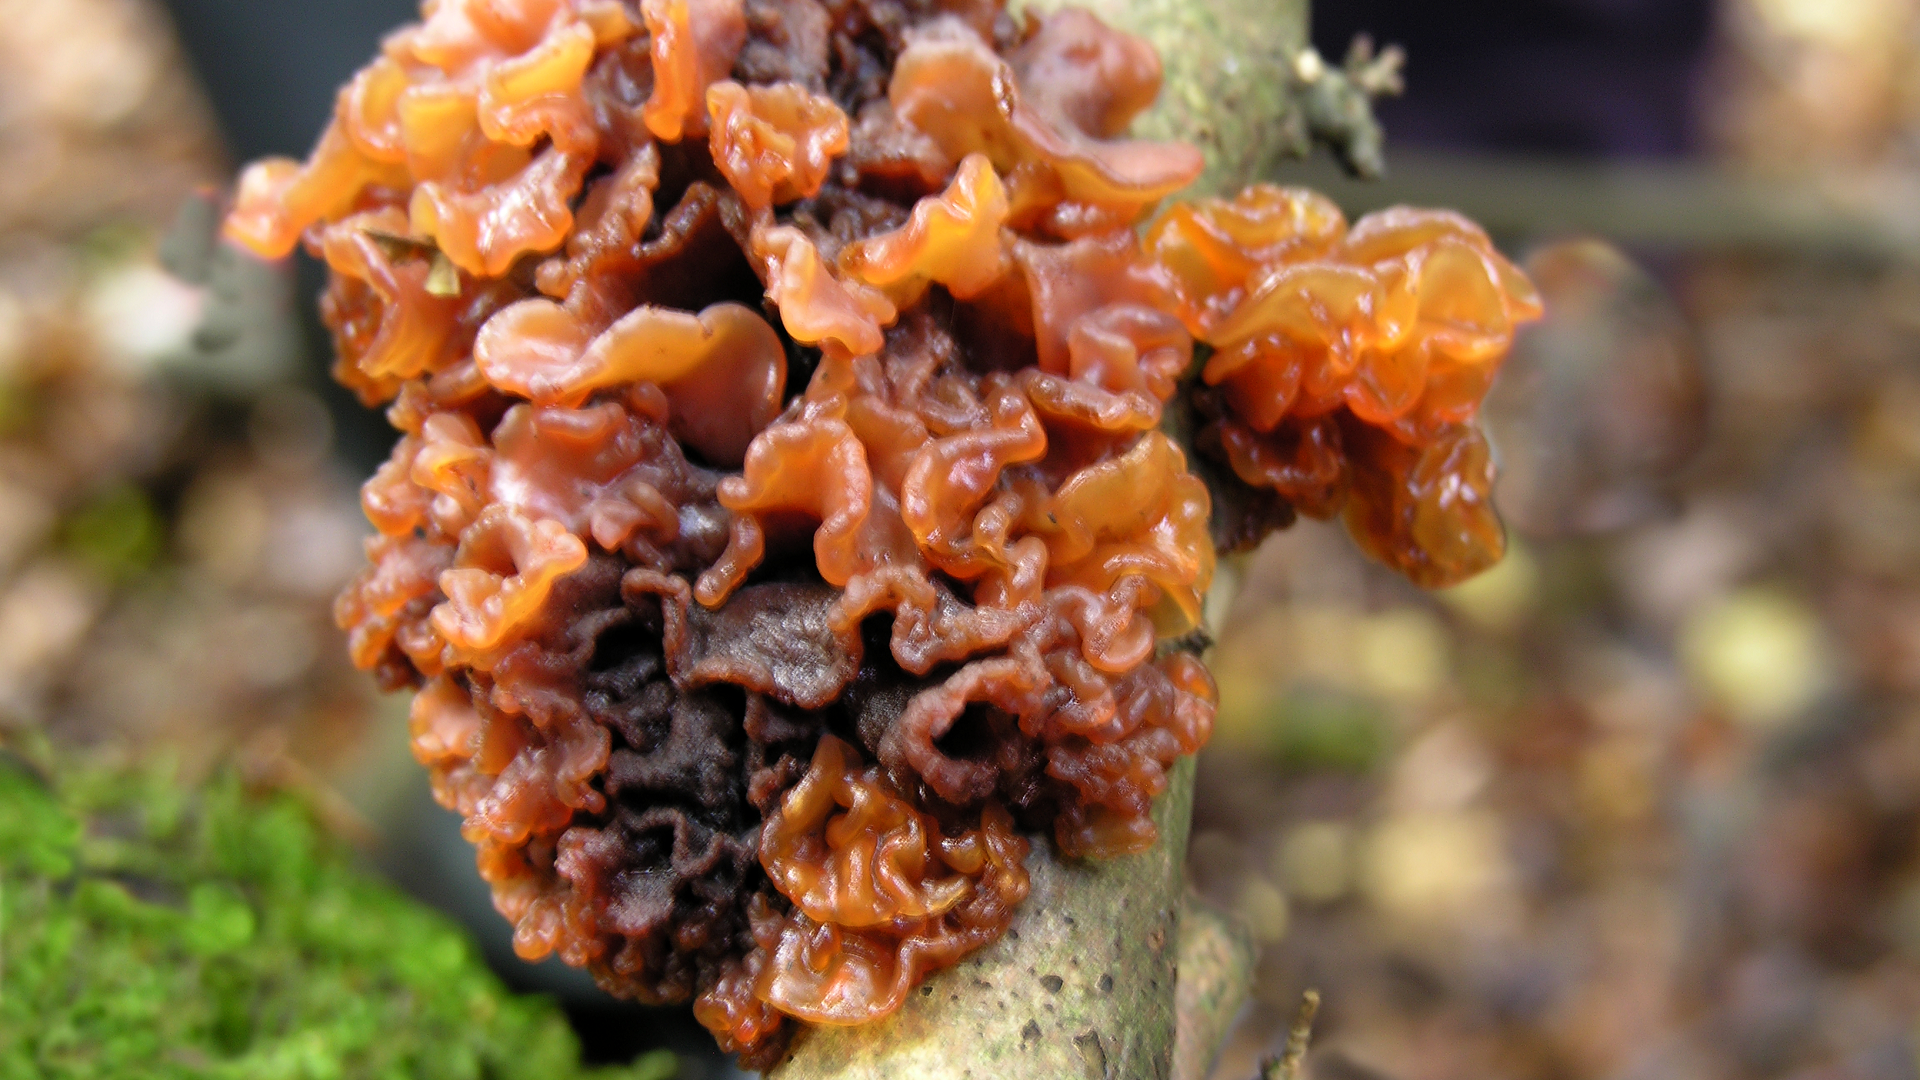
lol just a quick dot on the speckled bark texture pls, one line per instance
(1217, 955)
(1228, 86)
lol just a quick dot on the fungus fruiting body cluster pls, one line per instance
(783, 527)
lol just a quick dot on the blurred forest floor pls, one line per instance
(1642, 802)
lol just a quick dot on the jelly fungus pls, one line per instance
(782, 528)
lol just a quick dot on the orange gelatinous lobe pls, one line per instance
(694, 44)
(774, 143)
(1070, 282)
(390, 327)
(1101, 541)
(751, 694)
(478, 123)
(722, 371)
(277, 199)
(1047, 114)
(387, 607)
(952, 239)
(816, 307)
(1211, 247)
(1426, 511)
(502, 573)
(1350, 365)
(882, 896)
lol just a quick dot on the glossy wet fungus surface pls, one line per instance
(783, 529)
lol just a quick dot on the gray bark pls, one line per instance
(1229, 80)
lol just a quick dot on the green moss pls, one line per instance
(150, 932)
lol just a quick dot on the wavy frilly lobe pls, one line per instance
(882, 893)
(781, 528)
(1350, 363)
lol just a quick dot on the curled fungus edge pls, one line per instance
(781, 529)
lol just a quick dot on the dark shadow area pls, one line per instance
(1564, 77)
(271, 68)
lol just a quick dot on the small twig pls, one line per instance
(1376, 74)
(1287, 1065)
(1337, 103)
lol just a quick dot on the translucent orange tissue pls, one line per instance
(784, 527)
